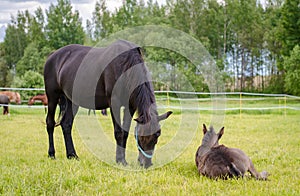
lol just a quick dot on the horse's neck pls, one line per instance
(37, 98)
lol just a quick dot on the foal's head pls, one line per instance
(147, 136)
(211, 138)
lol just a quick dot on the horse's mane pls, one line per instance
(142, 97)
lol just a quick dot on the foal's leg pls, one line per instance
(66, 124)
(259, 176)
(51, 124)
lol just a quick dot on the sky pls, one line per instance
(11, 7)
(85, 7)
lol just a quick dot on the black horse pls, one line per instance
(5, 101)
(97, 78)
(218, 161)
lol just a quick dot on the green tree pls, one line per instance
(292, 67)
(290, 20)
(5, 75)
(64, 26)
(30, 79)
(33, 59)
(35, 32)
(15, 40)
(101, 21)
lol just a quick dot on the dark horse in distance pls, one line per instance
(98, 78)
(218, 161)
(4, 101)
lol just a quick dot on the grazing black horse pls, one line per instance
(218, 161)
(98, 78)
(5, 101)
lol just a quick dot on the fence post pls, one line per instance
(168, 99)
(284, 105)
(240, 104)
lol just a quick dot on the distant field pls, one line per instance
(271, 139)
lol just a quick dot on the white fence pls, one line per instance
(199, 101)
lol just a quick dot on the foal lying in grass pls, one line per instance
(218, 161)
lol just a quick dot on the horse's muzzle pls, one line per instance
(144, 161)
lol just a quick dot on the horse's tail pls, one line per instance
(62, 109)
(234, 171)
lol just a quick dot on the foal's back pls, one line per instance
(219, 162)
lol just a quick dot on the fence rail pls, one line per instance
(233, 100)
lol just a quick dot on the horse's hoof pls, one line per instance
(123, 162)
(73, 156)
(51, 157)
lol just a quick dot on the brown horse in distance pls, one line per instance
(14, 97)
(39, 97)
(218, 161)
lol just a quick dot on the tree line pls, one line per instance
(256, 46)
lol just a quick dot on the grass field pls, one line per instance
(270, 139)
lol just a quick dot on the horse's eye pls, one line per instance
(157, 133)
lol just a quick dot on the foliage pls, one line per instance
(33, 59)
(5, 75)
(30, 79)
(292, 67)
(290, 21)
(64, 26)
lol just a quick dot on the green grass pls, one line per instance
(270, 139)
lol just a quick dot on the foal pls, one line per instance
(218, 161)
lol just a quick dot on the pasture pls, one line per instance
(270, 139)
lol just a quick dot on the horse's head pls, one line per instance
(211, 138)
(18, 98)
(146, 135)
(30, 101)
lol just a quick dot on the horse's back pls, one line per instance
(76, 71)
(58, 63)
(12, 96)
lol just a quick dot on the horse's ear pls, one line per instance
(204, 129)
(221, 132)
(164, 116)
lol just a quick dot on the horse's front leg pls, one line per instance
(120, 136)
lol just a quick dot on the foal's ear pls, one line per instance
(164, 116)
(204, 129)
(221, 132)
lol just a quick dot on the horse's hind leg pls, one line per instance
(53, 100)
(5, 110)
(66, 124)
